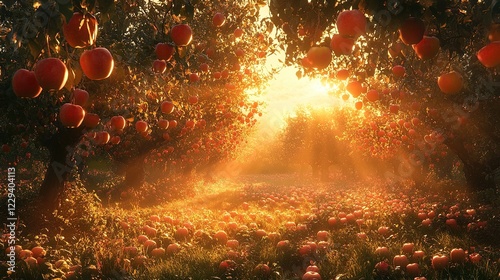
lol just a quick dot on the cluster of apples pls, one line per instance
(181, 35)
(51, 73)
(350, 25)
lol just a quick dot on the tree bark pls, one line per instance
(61, 146)
(476, 173)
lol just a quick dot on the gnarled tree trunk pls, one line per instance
(61, 146)
(477, 174)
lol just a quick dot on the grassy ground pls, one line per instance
(282, 224)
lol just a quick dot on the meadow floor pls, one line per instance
(278, 227)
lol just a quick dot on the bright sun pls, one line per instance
(285, 94)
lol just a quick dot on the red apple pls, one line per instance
(158, 252)
(398, 71)
(394, 108)
(427, 48)
(320, 57)
(383, 230)
(24, 84)
(227, 265)
(71, 115)
(362, 235)
(80, 97)
(51, 73)
(260, 233)
(494, 32)
(142, 238)
(181, 34)
(5, 148)
(115, 140)
(354, 88)
(382, 251)
(219, 19)
(159, 66)
(233, 243)
(172, 124)
(306, 62)
(332, 221)
(372, 95)
(181, 233)
(418, 255)
(471, 212)
(193, 99)
(451, 83)
(382, 267)
(322, 235)
(221, 237)
(358, 105)
(149, 245)
(413, 270)
(412, 30)
(37, 252)
(164, 51)
(282, 244)
(204, 67)
(238, 32)
(342, 74)
(311, 275)
(91, 120)
(341, 45)
(166, 136)
(118, 123)
(408, 248)
(440, 262)
(457, 255)
(451, 223)
(489, 55)
(97, 64)
(167, 107)
(102, 138)
(262, 270)
(351, 23)
(31, 262)
(193, 77)
(305, 250)
(141, 126)
(475, 258)
(239, 52)
(400, 260)
(81, 30)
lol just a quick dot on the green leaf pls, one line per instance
(106, 6)
(66, 9)
(35, 48)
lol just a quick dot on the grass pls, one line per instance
(93, 238)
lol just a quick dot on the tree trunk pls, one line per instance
(61, 147)
(476, 173)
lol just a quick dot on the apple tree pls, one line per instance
(138, 81)
(421, 76)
